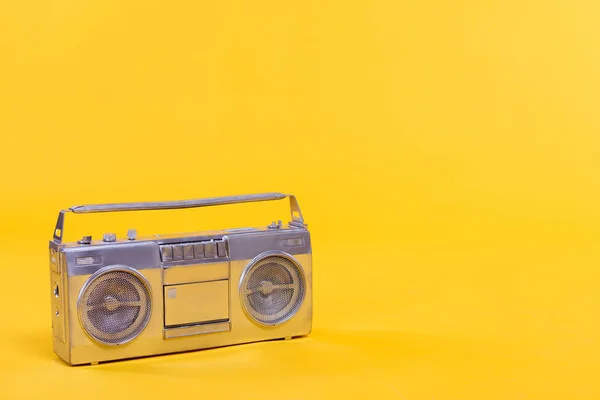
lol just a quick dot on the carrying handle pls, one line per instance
(297, 219)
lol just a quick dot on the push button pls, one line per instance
(199, 251)
(221, 252)
(210, 249)
(188, 252)
(167, 253)
(177, 252)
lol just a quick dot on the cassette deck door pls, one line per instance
(194, 303)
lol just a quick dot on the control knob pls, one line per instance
(109, 237)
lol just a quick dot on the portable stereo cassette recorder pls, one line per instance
(120, 298)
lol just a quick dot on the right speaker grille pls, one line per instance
(272, 289)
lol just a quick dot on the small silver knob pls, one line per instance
(131, 234)
(109, 237)
(85, 240)
(275, 225)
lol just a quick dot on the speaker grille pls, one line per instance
(272, 289)
(114, 306)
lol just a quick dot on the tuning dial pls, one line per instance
(109, 237)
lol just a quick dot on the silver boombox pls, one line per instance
(120, 298)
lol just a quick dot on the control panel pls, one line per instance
(208, 249)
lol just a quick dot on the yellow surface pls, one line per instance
(445, 155)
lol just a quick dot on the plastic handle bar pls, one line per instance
(169, 205)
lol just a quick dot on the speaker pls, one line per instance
(114, 305)
(272, 288)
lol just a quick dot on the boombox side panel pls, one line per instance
(59, 309)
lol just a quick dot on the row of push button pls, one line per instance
(193, 251)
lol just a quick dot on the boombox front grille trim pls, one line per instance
(114, 306)
(272, 288)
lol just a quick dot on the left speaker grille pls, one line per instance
(114, 306)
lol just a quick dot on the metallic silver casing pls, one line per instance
(122, 298)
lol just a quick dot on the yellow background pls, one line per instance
(445, 155)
